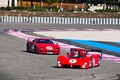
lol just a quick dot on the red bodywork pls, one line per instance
(42, 46)
(86, 59)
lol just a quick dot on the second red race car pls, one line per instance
(80, 58)
(42, 46)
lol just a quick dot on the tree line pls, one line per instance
(91, 2)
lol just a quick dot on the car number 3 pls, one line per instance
(72, 61)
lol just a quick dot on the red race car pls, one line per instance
(43, 46)
(80, 58)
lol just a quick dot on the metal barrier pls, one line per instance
(60, 20)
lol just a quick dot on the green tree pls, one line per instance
(31, 1)
(21, 2)
(49, 2)
(118, 4)
(8, 3)
(27, 5)
(13, 4)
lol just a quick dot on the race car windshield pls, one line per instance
(45, 41)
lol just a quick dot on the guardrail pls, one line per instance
(60, 20)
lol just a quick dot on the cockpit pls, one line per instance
(77, 53)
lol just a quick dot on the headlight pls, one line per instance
(85, 63)
(83, 66)
(58, 62)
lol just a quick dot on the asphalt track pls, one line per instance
(17, 64)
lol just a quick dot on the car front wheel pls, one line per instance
(35, 49)
(27, 47)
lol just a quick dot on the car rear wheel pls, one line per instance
(99, 59)
(90, 63)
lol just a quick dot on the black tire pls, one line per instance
(27, 48)
(99, 59)
(35, 49)
(90, 63)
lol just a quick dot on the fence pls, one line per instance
(60, 20)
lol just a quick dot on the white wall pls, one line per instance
(60, 20)
(92, 8)
(4, 3)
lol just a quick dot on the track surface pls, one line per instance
(17, 64)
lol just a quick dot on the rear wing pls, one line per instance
(96, 50)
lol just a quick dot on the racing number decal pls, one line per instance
(72, 61)
(49, 48)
